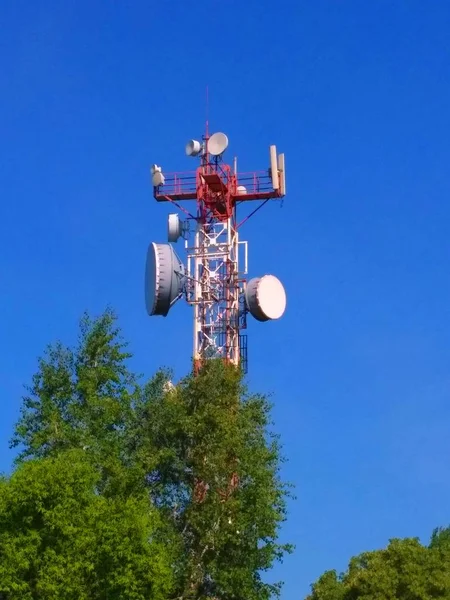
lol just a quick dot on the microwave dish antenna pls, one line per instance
(176, 228)
(193, 148)
(164, 279)
(217, 143)
(158, 179)
(157, 176)
(265, 298)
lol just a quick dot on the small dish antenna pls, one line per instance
(158, 179)
(241, 190)
(175, 227)
(217, 143)
(157, 176)
(265, 298)
(193, 148)
(164, 279)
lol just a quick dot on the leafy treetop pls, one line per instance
(202, 452)
(213, 468)
(405, 570)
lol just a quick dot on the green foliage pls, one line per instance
(202, 454)
(213, 469)
(405, 570)
(440, 539)
(81, 398)
(59, 539)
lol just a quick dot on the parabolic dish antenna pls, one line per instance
(157, 176)
(174, 227)
(164, 279)
(193, 148)
(217, 143)
(157, 179)
(266, 298)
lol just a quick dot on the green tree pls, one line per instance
(81, 397)
(61, 540)
(202, 451)
(213, 468)
(405, 570)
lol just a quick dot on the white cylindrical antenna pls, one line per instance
(158, 179)
(235, 165)
(157, 176)
(193, 148)
(174, 227)
(282, 170)
(274, 167)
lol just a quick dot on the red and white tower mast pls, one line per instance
(214, 280)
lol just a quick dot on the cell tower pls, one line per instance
(213, 278)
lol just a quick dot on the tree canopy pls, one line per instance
(404, 570)
(201, 452)
(81, 397)
(61, 540)
(214, 472)
(136, 489)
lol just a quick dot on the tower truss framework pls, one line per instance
(217, 260)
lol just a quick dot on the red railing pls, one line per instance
(178, 186)
(183, 186)
(255, 182)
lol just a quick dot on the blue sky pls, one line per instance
(357, 95)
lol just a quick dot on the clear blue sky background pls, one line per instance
(357, 95)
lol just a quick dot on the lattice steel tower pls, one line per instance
(214, 280)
